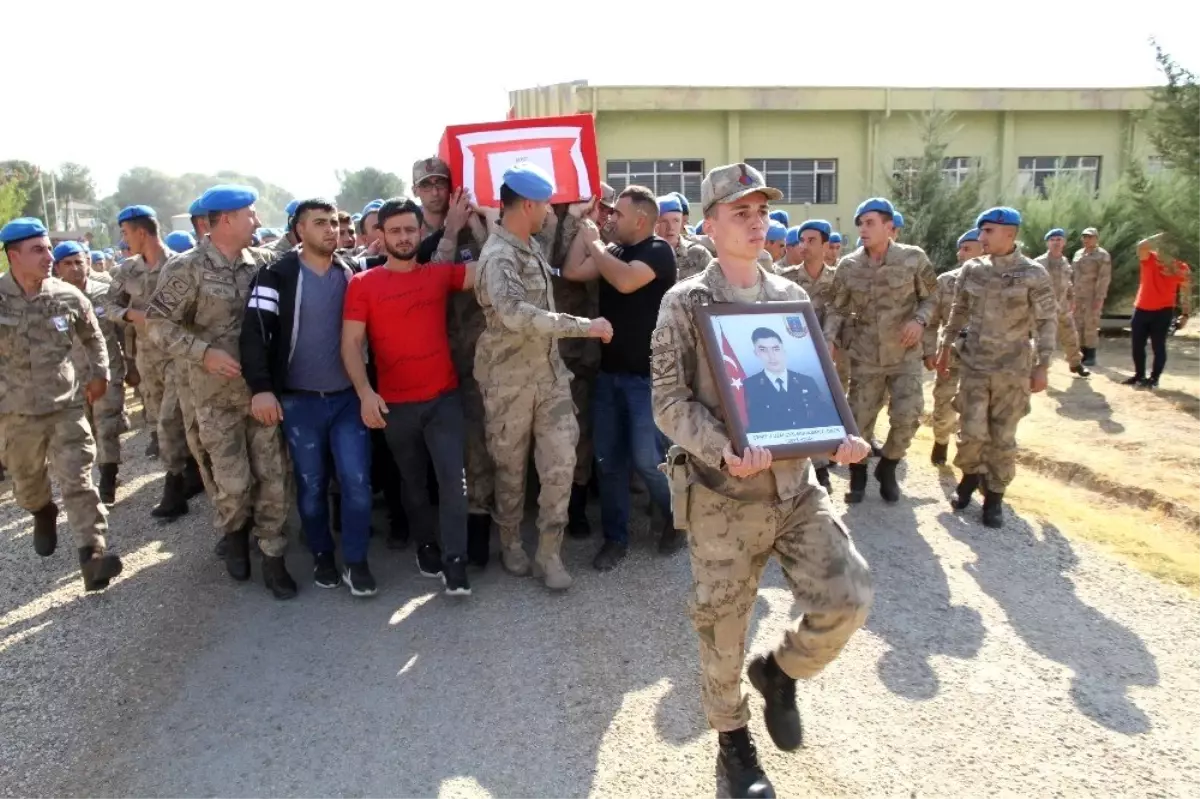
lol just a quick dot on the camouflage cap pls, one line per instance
(428, 168)
(608, 195)
(1090, 231)
(725, 184)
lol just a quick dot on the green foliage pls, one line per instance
(936, 212)
(75, 181)
(1174, 119)
(361, 186)
(25, 175)
(12, 204)
(170, 195)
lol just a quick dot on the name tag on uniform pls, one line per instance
(60, 323)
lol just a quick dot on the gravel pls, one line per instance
(995, 662)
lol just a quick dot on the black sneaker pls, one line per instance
(454, 577)
(325, 573)
(429, 560)
(358, 576)
(611, 553)
(1136, 380)
(1150, 383)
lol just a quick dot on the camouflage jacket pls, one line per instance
(685, 395)
(998, 301)
(132, 286)
(114, 334)
(520, 338)
(37, 339)
(819, 291)
(1061, 278)
(582, 299)
(200, 303)
(282, 245)
(691, 258)
(945, 298)
(883, 298)
(1091, 273)
(464, 319)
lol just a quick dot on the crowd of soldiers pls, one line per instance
(525, 345)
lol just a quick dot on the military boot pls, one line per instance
(967, 486)
(1089, 356)
(993, 509)
(858, 483)
(1081, 370)
(779, 695)
(237, 553)
(276, 577)
(738, 766)
(108, 483)
(479, 539)
(938, 456)
(512, 553)
(152, 447)
(548, 565)
(45, 530)
(98, 568)
(193, 483)
(885, 473)
(823, 479)
(577, 520)
(173, 504)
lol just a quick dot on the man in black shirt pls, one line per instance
(635, 272)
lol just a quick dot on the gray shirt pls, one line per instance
(316, 362)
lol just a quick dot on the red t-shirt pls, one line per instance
(1157, 289)
(405, 315)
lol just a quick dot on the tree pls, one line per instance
(361, 186)
(936, 209)
(26, 176)
(12, 204)
(75, 181)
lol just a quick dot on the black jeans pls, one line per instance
(436, 427)
(1153, 325)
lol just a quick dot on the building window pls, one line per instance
(802, 180)
(661, 177)
(954, 171)
(1034, 171)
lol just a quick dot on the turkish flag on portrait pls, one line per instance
(565, 147)
(736, 375)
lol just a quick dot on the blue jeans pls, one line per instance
(319, 427)
(625, 438)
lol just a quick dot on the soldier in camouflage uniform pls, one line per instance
(525, 384)
(776, 244)
(1059, 269)
(740, 508)
(288, 241)
(999, 299)
(833, 250)
(1091, 270)
(890, 289)
(196, 314)
(944, 419)
(691, 257)
(42, 319)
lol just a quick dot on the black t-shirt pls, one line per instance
(633, 315)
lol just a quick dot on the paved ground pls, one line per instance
(995, 662)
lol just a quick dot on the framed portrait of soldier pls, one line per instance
(778, 385)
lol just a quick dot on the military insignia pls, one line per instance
(795, 326)
(60, 323)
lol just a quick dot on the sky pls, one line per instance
(293, 92)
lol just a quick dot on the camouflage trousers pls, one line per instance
(249, 474)
(160, 398)
(481, 472)
(582, 386)
(904, 395)
(944, 419)
(1069, 339)
(64, 437)
(730, 542)
(990, 405)
(107, 420)
(1087, 318)
(541, 410)
(191, 428)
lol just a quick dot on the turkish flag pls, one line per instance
(565, 147)
(736, 375)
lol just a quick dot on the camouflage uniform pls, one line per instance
(1064, 292)
(820, 294)
(734, 525)
(526, 386)
(199, 305)
(282, 245)
(105, 415)
(1092, 272)
(944, 419)
(41, 407)
(883, 298)
(998, 301)
(690, 258)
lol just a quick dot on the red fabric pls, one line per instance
(736, 375)
(1156, 289)
(405, 315)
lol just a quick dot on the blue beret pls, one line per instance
(108, 250)
(776, 231)
(355, 218)
(793, 236)
(196, 208)
(835, 238)
(683, 203)
(1000, 215)
(898, 219)
(698, 228)
(21, 228)
(96, 256)
(180, 241)
(122, 245)
(780, 216)
(668, 204)
(372, 207)
(1055, 232)
(291, 208)
(226, 197)
(68, 248)
(970, 235)
(880, 204)
(530, 181)
(134, 211)
(818, 224)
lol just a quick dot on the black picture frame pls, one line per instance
(749, 410)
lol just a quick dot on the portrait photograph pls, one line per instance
(779, 387)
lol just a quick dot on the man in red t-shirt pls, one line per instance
(1154, 308)
(399, 309)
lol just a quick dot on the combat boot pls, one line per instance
(193, 483)
(237, 553)
(577, 520)
(152, 447)
(1089, 356)
(823, 479)
(548, 565)
(45, 530)
(108, 483)
(779, 695)
(858, 483)
(512, 554)
(479, 539)
(993, 509)
(885, 473)
(967, 486)
(98, 568)
(1081, 370)
(276, 577)
(173, 503)
(738, 766)
(938, 456)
